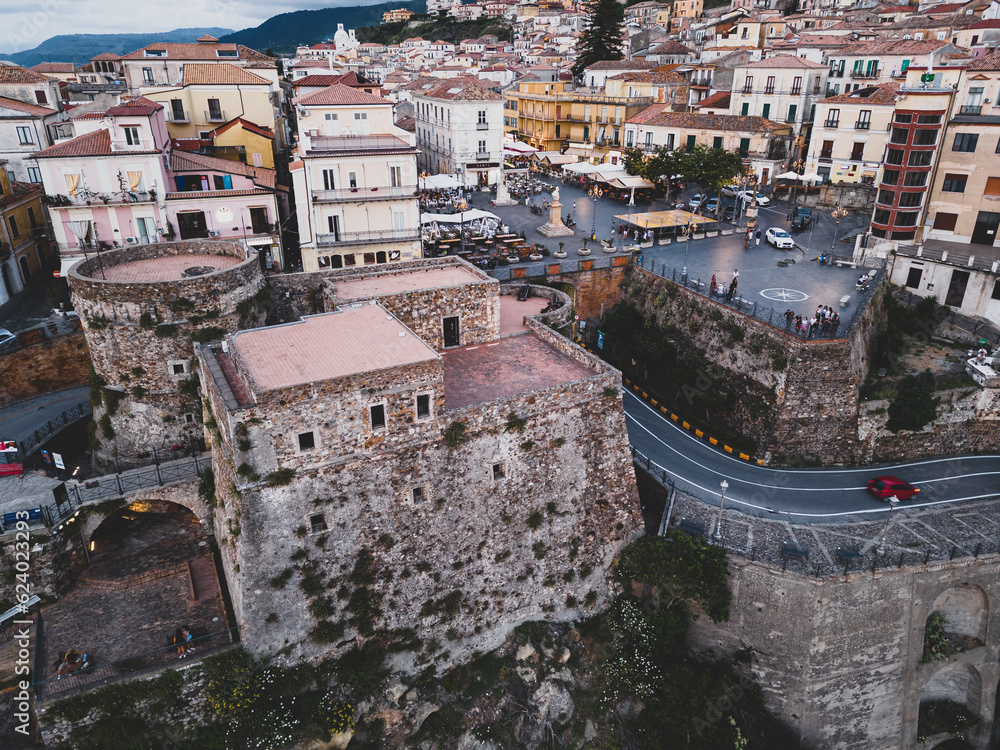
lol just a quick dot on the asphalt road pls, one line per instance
(799, 495)
(19, 420)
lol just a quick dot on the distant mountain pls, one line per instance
(282, 33)
(79, 48)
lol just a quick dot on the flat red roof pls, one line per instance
(325, 347)
(408, 281)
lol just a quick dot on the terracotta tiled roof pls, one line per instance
(348, 79)
(882, 94)
(718, 100)
(660, 114)
(17, 74)
(136, 106)
(29, 109)
(97, 143)
(339, 94)
(650, 76)
(407, 123)
(945, 8)
(197, 51)
(207, 38)
(895, 47)
(783, 61)
(247, 125)
(88, 116)
(191, 162)
(672, 47)
(462, 88)
(107, 56)
(53, 67)
(986, 62)
(989, 23)
(622, 65)
(226, 73)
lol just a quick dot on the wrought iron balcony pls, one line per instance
(365, 193)
(357, 238)
(970, 109)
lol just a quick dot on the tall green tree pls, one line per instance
(634, 161)
(601, 38)
(710, 167)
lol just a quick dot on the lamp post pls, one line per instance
(687, 231)
(838, 213)
(797, 168)
(462, 205)
(595, 192)
(893, 502)
(724, 485)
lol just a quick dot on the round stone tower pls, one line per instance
(142, 307)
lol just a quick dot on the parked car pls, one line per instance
(730, 191)
(748, 195)
(696, 200)
(888, 486)
(804, 212)
(779, 238)
(711, 206)
(8, 341)
(729, 212)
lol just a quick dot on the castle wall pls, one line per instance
(462, 565)
(147, 368)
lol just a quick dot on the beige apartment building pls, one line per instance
(212, 95)
(849, 134)
(693, 9)
(355, 179)
(964, 202)
(551, 116)
(782, 88)
(163, 63)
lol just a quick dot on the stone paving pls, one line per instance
(512, 312)
(802, 286)
(149, 575)
(166, 267)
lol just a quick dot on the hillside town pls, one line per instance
(622, 376)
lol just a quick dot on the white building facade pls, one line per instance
(459, 127)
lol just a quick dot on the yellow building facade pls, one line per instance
(25, 250)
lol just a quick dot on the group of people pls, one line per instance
(824, 322)
(184, 642)
(713, 287)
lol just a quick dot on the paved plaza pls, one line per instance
(801, 285)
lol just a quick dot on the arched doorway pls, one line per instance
(151, 571)
(25, 270)
(951, 701)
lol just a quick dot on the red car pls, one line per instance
(888, 486)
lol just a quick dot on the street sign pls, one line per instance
(57, 457)
(600, 339)
(45, 456)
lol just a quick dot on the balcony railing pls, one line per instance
(747, 89)
(482, 126)
(365, 193)
(354, 143)
(483, 156)
(831, 124)
(769, 89)
(177, 116)
(355, 238)
(218, 115)
(825, 155)
(140, 145)
(970, 109)
(865, 73)
(898, 74)
(862, 125)
(796, 90)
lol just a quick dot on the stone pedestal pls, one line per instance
(554, 227)
(503, 195)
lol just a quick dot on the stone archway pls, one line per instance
(951, 702)
(957, 622)
(183, 495)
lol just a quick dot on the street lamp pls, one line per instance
(724, 485)
(462, 206)
(893, 502)
(687, 231)
(838, 213)
(595, 192)
(797, 168)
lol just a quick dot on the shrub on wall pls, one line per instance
(914, 405)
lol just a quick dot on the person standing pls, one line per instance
(736, 276)
(788, 318)
(757, 237)
(713, 287)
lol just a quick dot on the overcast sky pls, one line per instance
(27, 23)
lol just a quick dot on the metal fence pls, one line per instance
(28, 445)
(54, 688)
(975, 326)
(120, 484)
(801, 558)
(551, 267)
(763, 312)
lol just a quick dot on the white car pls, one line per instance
(696, 201)
(8, 341)
(730, 191)
(779, 238)
(748, 195)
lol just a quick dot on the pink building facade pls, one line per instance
(122, 183)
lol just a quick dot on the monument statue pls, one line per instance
(555, 195)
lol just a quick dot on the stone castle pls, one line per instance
(417, 458)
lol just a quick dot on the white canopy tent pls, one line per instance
(473, 214)
(440, 182)
(582, 167)
(811, 177)
(788, 176)
(516, 147)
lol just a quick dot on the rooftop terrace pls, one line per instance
(323, 347)
(408, 281)
(168, 268)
